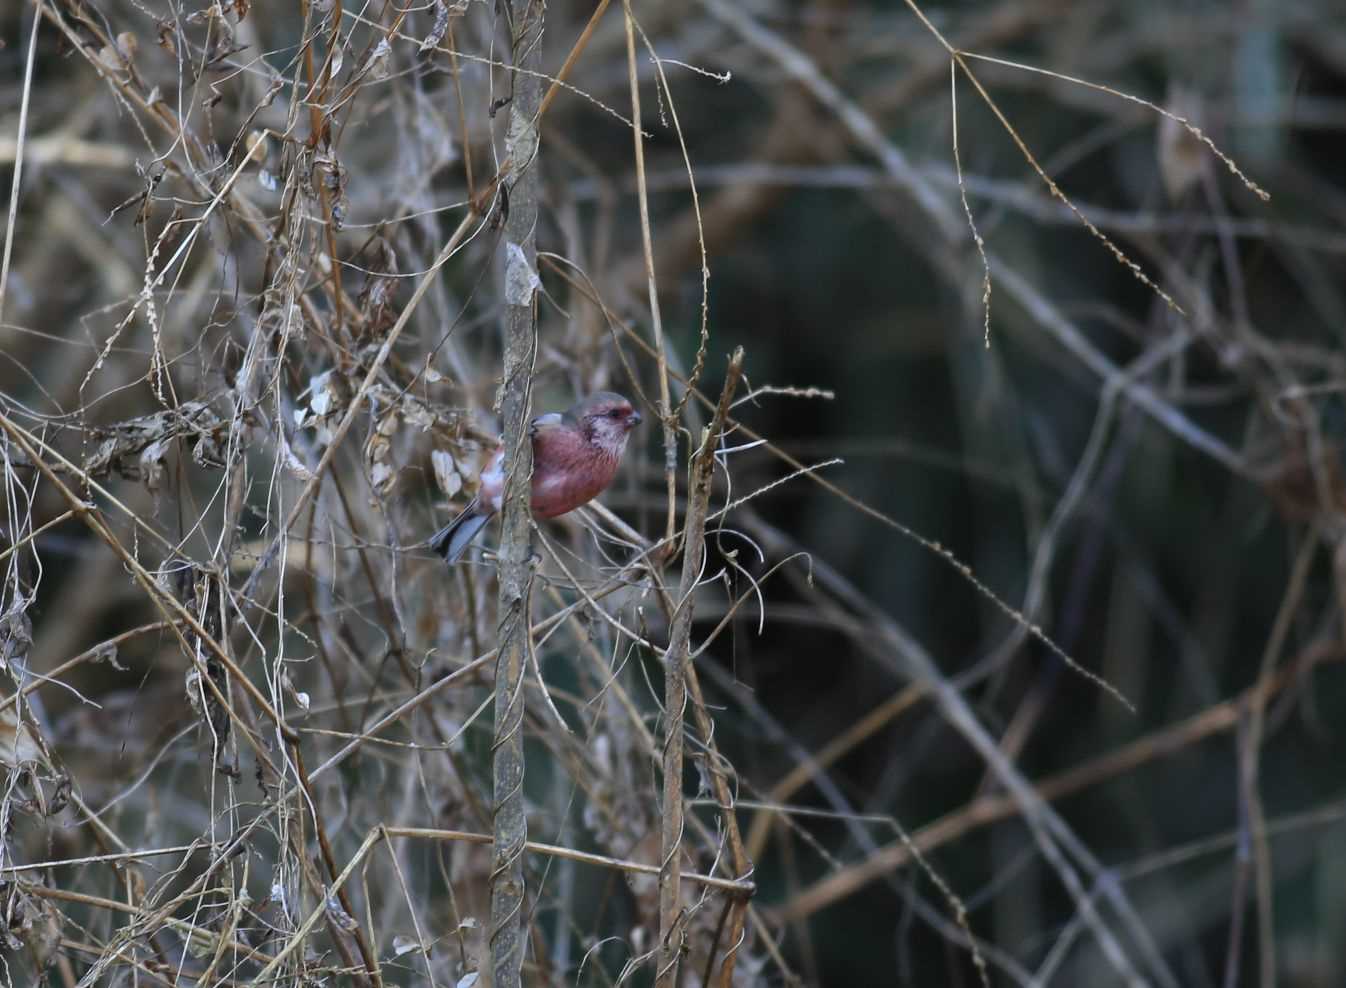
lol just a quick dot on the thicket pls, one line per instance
(968, 610)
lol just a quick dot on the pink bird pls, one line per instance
(575, 456)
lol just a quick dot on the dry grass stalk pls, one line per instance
(671, 914)
(250, 258)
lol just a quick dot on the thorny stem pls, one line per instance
(675, 684)
(509, 822)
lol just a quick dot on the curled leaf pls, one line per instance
(448, 478)
(152, 465)
(18, 746)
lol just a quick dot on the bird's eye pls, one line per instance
(615, 413)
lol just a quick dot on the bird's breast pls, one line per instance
(567, 475)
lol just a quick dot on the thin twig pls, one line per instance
(651, 283)
(13, 217)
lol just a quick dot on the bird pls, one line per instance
(575, 457)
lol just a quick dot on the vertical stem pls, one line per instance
(656, 317)
(675, 685)
(13, 217)
(462, 114)
(318, 124)
(509, 823)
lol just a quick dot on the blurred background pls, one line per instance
(1022, 636)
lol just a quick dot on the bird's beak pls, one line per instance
(635, 418)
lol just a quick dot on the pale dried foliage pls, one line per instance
(250, 316)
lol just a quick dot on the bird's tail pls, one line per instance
(452, 540)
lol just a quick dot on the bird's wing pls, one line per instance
(452, 540)
(543, 422)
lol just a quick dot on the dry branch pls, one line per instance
(675, 681)
(507, 935)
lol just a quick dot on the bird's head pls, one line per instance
(606, 418)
